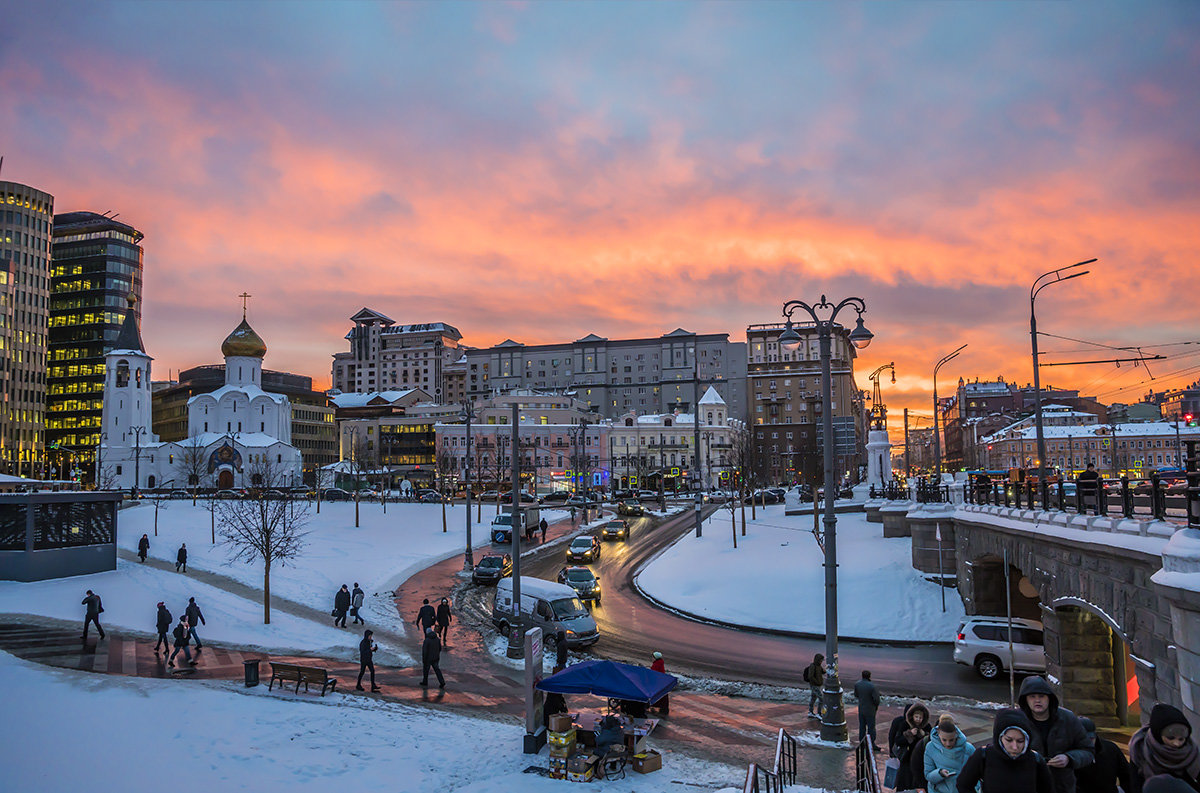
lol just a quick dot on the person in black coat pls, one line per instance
(905, 734)
(181, 642)
(143, 547)
(868, 706)
(916, 762)
(431, 656)
(426, 617)
(1057, 734)
(1007, 764)
(194, 617)
(163, 625)
(181, 558)
(443, 620)
(92, 615)
(1109, 769)
(341, 606)
(560, 650)
(1164, 747)
(366, 659)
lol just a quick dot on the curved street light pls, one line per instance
(833, 720)
(467, 414)
(937, 442)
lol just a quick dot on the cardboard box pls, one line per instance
(558, 764)
(562, 752)
(559, 722)
(647, 761)
(580, 776)
(557, 774)
(578, 763)
(561, 738)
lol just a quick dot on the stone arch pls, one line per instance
(987, 594)
(1089, 653)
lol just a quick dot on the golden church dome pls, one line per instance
(244, 342)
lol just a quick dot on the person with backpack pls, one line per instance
(1109, 769)
(163, 624)
(905, 735)
(1164, 747)
(181, 558)
(443, 620)
(356, 603)
(814, 675)
(143, 547)
(341, 606)
(1007, 764)
(194, 617)
(945, 755)
(94, 609)
(181, 633)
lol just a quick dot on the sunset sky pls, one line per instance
(541, 171)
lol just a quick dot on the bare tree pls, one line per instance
(362, 463)
(106, 477)
(742, 461)
(193, 464)
(260, 528)
(444, 467)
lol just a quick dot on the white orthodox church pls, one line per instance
(237, 435)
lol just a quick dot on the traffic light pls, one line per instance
(1189, 419)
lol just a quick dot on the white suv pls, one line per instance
(982, 642)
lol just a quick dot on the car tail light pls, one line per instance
(962, 637)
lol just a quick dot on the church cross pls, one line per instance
(244, 298)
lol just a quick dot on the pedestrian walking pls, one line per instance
(659, 665)
(163, 624)
(560, 650)
(1057, 734)
(1164, 747)
(431, 656)
(426, 617)
(366, 659)
(181, 558)
(814, 675)
(341, 606)
(1007, 764)
(543, 525)
(194, 617)
(905, 735)
(572, 514)
(94, 609)
(868, 707)
(945, 755)
(1088, 484)
(443, 620)
(356, 603)
(1109, 769)
(181, 633)
(143, 547)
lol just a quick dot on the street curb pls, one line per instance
(633, 581)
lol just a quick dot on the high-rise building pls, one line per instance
(385, 356)
(96, 264)
(786, 405)
(26, 223)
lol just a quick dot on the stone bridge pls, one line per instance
(1119, 599)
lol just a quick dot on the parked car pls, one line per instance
(583, 581)
(982, 642)
(525, 498)
(630, 509)
(580, 501)
(488, 495)
(616, 530)
(622, 495)
(557, 497)
(546, 605)
(335, 494)
(432, 497)
(647, 495)
(492, 568)
(778, 492)
(585, 548)
(760, 497)
(225, 494)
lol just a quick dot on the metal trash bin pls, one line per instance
(251, 673)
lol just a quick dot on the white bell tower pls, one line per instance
(126, 415)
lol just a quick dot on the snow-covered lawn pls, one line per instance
(147, 735)
(776, 579)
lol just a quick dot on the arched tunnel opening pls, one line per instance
(1094, 667)
(991, 596)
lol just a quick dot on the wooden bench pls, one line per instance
(301, 674)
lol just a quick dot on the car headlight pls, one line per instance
(570, 633)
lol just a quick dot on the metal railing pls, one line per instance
(1154, 497)
(760, 780)
(866, 773)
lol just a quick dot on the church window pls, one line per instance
(262, 427)
(206, 426)
(118, 470)
(122, 374)
(170, 459)
(228, 427)
(239, 426)
(279, 458)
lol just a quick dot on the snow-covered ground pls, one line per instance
(776, 579)
(144, 734)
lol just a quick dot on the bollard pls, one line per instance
(251, 673)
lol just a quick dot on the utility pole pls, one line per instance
(907, 461)
(516, 647)
(698, 496)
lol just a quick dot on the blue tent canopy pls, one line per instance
(611, 679)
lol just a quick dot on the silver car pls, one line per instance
(982, 642)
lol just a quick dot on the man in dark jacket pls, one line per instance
(1057, 734)
(181, 642)
(143, 547)
(443, 620)
(163, 624)
(868, 706)
(431, 656)
(560, 650)
(366, 660)
(194, 618)
(426, 617)
(357, 596)
(341, 606)
(543, 525)
(1109, 769)
(94, 609)
(1088, 483)
(181, 558)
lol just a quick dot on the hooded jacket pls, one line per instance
(1065, 736)
(1000, 773)
(431, 649)
(902, 738)
(1109, 769)
(938, 757)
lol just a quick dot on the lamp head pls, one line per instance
(860, 337)
(789, 339)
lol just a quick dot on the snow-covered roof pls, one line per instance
(245, 439)
(711, 397)
(250, 391)
(1144, 429)
(376, 397)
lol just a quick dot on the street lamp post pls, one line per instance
(467, 414)
(937, 443)
(137, 458)
(698, 496)
(833, 720)
(1054, 277)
